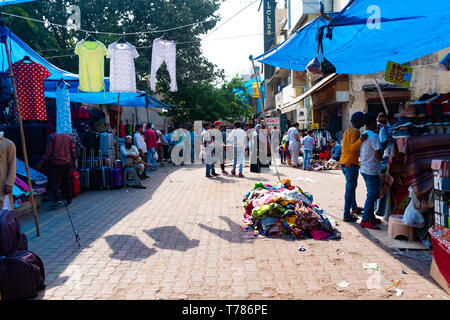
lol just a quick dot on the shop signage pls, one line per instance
(298, 79)
(273, 122)
(279, 99)
(255, 90)
(324, 96)
(301, 115)
(398, 74)
(314, 126)
(269, 32)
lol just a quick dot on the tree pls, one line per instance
(204, 101)
(128, 16)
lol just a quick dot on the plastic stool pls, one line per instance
(397, 228)
(134, 180)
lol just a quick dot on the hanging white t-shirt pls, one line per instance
(122, 70)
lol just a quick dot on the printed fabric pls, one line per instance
(92, 65)
(122, 70)
(164, 51)
(30, 89)
(63, 115)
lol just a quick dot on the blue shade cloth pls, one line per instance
(408, 29)
(19, 49)
(249, 90)
(9, 2)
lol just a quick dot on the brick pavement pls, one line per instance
(184, 240)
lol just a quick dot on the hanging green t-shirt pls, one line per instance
(92, 65)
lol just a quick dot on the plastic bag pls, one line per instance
(413, 217)
(7, 203)
(155, 156)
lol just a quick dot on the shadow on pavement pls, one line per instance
(171, 238)
(234, 235)
(126, 247)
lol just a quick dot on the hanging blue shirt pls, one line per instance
(63, 115)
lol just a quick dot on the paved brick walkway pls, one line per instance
(184, 240)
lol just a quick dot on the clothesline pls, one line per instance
(108, 33)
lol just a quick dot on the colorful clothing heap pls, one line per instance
(285, 210)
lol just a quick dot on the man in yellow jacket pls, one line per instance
(351, 142)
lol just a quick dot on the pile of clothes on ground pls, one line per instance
(331, 164)
(285, 210)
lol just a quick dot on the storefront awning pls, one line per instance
(9, 2)
(295, 102)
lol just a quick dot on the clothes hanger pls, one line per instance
(62, 80)
(26, 58)
(164, 36)
(121, 40)
(90, 38)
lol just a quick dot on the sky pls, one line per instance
(230, 46)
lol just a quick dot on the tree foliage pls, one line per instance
(199, 94)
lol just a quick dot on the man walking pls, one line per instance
(208, 143)
(141, 145)
(308, 147)
(294, 144)
(151, 141)
(238, 139)
(60, 156)
(370, 155)
(351, 141)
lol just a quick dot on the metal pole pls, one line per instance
(22, 135)
(381, 94)
(118, 125)
(264, 116)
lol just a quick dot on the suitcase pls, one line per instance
(10, 236)
(84, 173)
(75, 178)
(95, 179)
(106, 178)
(22, 275)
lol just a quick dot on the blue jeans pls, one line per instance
(373, 189)
(150, 154)
(210, 169)
(351, 182)
(307, 154)
(238, 156)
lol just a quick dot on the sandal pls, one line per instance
(352, 218)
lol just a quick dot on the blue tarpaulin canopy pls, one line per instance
(9, 2)
(19, 49)
(406, 30)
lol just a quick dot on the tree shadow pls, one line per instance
(127, 247)
(234, 235)
(171, 238)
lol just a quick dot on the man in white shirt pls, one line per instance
(238, 139)
(129, 156)
(139, 142)
(208, 143)
(308, 147)
(370, 156)
(294, 144)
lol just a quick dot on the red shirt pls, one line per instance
(60, 148)
(150, 138)
(30, 89)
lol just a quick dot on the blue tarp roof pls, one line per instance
(249, 90)
(407, 30)
(9, 2)
(19, 49)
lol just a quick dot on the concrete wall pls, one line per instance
(426, 79)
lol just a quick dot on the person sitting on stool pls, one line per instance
(129, 155)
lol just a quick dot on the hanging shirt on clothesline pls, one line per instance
(63, 115)
(92, 65)
(30, 89)
(164, 51)
(122, 70)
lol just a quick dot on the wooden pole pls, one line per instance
(22, 135)
(381, 94)
(118, 125)
(264, 116)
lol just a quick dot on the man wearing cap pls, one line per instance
(351, 142)
(129, 156)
